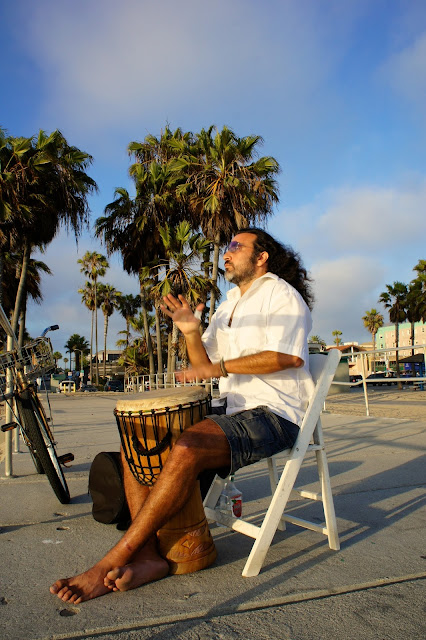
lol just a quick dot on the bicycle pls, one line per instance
(18, 368)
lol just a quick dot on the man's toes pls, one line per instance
(56, 586)
(124, 581)
(113, 575)
(75, 599)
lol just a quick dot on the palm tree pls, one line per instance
(179, 272)
(88, 298)
(336, 335)
(78, 345)
(317, 340)
(43, 185)
(227, 188)
(419, 284)
(137, 323)
(118, 231)
(94, 265)
(395, 300)
(157, 187)
(135, 358)
(373, 320)
(11, 268)
(128, 306)
(109, 300)
(57, 355)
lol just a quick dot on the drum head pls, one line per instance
(161, 398)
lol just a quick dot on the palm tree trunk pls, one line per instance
(91, 346)
(147, 334)
(22, 319)
(1, 276)
(96, 330)
(206, 259)
(105, 341)
(21, 286)
(397, 353)
(374, 349)
(159, 344)
(215, 272)
(169, 358)
(175, 338)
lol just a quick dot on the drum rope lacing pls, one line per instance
(137, 453)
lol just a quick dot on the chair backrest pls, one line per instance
(323, 362)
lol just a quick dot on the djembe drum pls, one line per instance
(149, 424)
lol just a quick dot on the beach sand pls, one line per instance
(389, 403)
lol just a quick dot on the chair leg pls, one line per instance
(273, 515)
(214, 492)
(327, 501)
(273, 480)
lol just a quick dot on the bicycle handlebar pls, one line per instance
(54, 327)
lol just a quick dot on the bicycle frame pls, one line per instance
(19, 366)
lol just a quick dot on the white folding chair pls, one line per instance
(310, 438)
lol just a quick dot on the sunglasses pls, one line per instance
(234, 246)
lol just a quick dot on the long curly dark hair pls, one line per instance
(284, 262)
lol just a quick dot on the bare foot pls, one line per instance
(85, 586)
(141, 570)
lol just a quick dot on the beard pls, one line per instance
(243, 272)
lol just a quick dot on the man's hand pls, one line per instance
(201, 372)
(181, 313)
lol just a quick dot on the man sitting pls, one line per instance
(256, 344)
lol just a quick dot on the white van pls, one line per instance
(66, 386)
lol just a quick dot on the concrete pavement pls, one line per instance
(373, 588)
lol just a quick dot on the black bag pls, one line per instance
(107, 490)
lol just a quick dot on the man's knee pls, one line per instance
(203, 445)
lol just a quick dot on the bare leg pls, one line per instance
(201, 446)
(147, 565)
(94, 583)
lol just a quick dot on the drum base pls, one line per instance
(185, 541)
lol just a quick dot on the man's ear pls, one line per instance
(263, 258)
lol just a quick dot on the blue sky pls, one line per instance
(337, 90)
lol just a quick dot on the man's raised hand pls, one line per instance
(180, 312)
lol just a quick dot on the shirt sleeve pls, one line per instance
(289, 322)
(210, 342)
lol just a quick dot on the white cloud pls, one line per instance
(105, 60)
(343, 294)
(377, 218)
(368, 219)
(354, 241)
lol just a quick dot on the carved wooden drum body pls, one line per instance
(149, 424)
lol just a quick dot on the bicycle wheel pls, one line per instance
(34, 458)
(33, 454)
(37, 432)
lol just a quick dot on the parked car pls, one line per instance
(67, 386)
(88, 388)
(381, 377)
(354, 377)
(114, 385)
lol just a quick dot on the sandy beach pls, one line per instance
(389, 403)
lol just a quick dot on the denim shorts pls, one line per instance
(253, 434)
